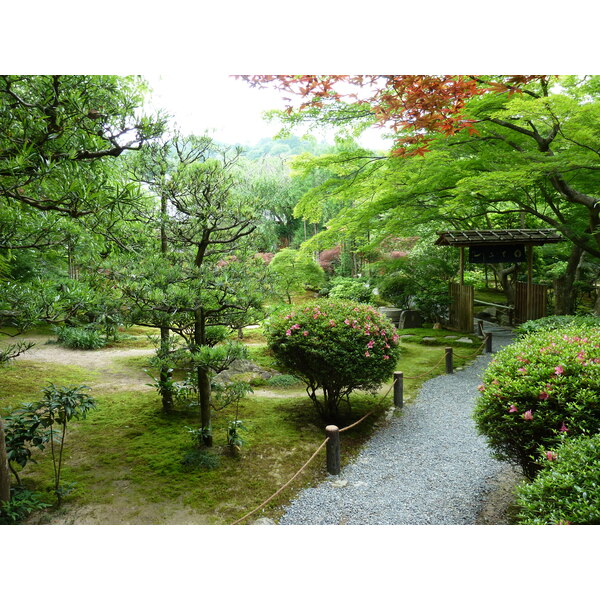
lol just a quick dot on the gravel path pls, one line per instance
(427, 466)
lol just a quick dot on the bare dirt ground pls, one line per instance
(118, 377)
(498, 502)
(115, 377)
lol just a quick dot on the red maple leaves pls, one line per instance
(422, 104)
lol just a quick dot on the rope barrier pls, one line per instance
(309, 461)
(471, 355)
(283, 486)
(428, 372)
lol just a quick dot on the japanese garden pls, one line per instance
(194, 332)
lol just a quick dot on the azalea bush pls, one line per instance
(567, 490)
(334, 347)
(536, 390)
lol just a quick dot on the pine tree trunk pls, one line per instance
(165, 375)
(166, 392)
(4, 470)
(203, 379)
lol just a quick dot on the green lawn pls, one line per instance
(133, 463)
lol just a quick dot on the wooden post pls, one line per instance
(462, 265)
(480, 328)
(488, 342)
(4, 470)
(398, 389)
(449, 365)
(333, 449)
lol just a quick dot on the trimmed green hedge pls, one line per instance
(567, 490)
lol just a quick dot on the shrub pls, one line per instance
(348, 288)
(336, 346)
(417, 291)
(80, 338)
(556, 322)
(567, 490)
(294, 271)
(283, 381)
(538, 388)
(395, 289)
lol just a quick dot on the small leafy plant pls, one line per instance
(80, 338)
(234, 439)
(22, 503)
(60, 406)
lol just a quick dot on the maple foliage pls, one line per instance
(411, 106)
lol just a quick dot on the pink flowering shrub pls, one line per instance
(334, 347)
(537, 391)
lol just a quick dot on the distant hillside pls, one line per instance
(290, 146)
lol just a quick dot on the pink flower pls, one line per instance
(522, 370)
(288, 332)
(551, 455)
(347, 321)
(385, 357)
(370, 344)
(496, 382)
(559, 370)
(332, 322)
(528, 415)
(513, 409)
(305, 333)
(543, 396)
(367, 353)
(295, 326)
(481, 387)
(563, 427)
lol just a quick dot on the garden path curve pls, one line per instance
(427, 465)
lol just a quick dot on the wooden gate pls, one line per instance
(461, 307)
(528, 307)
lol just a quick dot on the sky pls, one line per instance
(229, 109)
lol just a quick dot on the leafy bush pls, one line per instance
(538, 388)
(336, 346)
(416, 291)
(395, 289)
(80, 338)
(22, 503)
(348, 288)
(567, 490)
(294, 271)
(283, 381)
(556, 322)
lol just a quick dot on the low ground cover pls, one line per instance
(131, 463)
